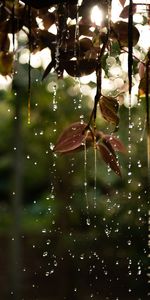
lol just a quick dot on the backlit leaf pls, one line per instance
(71, 138)
(109, 159)
(125, 12)
(116, 144)
(78, 68)
(109, 108)
(122, 2)
(120, 32)
(48, 69)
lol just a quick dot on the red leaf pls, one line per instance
(116, 144)
(122, 2)
(125, 12)
(109, 159)
(109, 107)
(71, 138)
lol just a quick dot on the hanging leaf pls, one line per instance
(12, 25)
(48, 20)
(141, 70)
(83, 30)
(125, 12)
(109, 158)
(122, 2)
(71, 138)
(142, 86)
(109, 108)
(120, 32)
(39, 4)
(41, 39)
(6, 63)
(4, 42)
(48, 69)
(78, 68)
(116, 144)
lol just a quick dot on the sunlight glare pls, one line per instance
(97, 15)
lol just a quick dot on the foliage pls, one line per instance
(76, 49)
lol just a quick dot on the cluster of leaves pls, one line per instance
(75, 49)
(77, 135)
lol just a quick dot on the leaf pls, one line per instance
(120, 32)
(109, 159)
(48, 69)
(39, 4)
(4, 42)
(125, 12)
(116, 144)
(71, 138)
(122, 2)
(142, 86)
(78, 68)
(6, 63)
(141, 70)
(12, 25)
(109, 108)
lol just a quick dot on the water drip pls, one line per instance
(88, 222)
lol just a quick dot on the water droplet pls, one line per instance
(88, 221)
(82, 256)
(45, 254)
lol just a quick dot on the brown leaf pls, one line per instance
(142, 86)
(109, 159)
(12, 25)
(109, 108)
(71, 138)
(4, 42)
(141, 70)
(48, 69)
(78, 68)
(6, 63)
(116, 144)
(48, 20)
(122, 2)
(125, 12)
(120, 32)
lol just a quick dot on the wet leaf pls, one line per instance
(4, 42)
(78, 68)
(122, 2)
(109, 159)
(48, 20)
(41, 39)
(142, 86)
(6, 63)
(109, 108)
(116, 144)
(141, 70)
(125, 12)
(83, 30)
(120, 32)
(44, 3)
(48, 69)
(71, 138)
(12, 25)
(85, 44)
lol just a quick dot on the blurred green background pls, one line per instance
(47, 249)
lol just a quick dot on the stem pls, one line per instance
(29, 66)
(148, 118)
(130, 45)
